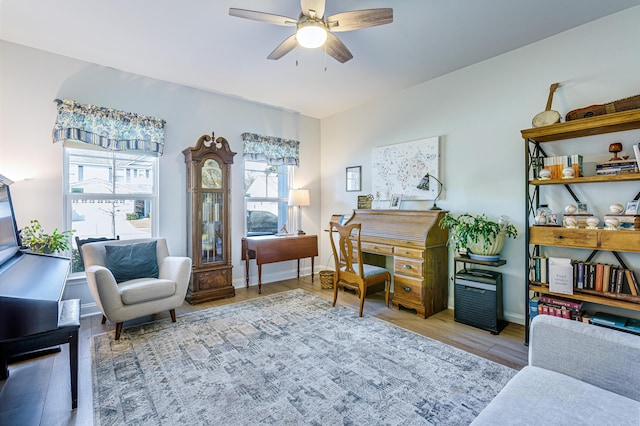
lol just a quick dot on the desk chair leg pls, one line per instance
(362, 293)
(387, 290)
(173, 315)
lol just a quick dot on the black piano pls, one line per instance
(33, 316)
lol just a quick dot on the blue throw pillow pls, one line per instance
(131, 261)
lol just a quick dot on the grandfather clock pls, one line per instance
(208, 219)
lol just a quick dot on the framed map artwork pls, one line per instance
(397, 169)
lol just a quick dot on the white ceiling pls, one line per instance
(196, 43)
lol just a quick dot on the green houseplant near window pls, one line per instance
(38, 241)
(478, 234)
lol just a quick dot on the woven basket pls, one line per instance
(326, 279)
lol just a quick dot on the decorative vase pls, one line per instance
(492, 250)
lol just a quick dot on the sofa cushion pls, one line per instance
(539, 396)
(131, 261)
(146, 289)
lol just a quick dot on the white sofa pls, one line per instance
(578, 374)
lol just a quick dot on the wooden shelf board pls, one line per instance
(601, 300)
(598, 125)
(626, 177)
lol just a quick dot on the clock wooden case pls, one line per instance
(208, 219)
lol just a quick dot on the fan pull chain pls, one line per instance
(296, 57)
(325, 57)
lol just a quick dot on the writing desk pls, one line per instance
(273, 248)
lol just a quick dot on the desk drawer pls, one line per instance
(407, 289)
(377, 248)
(406, 266)
(407, 252)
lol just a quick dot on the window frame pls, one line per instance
(284, 199)
(69, 197)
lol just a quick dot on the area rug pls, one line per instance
(286, 359)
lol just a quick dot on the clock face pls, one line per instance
(211, 175)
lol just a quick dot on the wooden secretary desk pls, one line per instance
(418, 246)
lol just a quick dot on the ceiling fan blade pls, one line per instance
(336, 49)
(358, 19)
(263, 17)
(283, 48)
(315, 5)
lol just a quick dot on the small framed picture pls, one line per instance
(354, 180)
(582, 208)
(396, 199)
(632, 208)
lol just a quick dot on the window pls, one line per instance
(266, 190)
(109, 194)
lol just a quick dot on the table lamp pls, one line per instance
(299, 198)
(424, 185)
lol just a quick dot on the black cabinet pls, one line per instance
(478, 296)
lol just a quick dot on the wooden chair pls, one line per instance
(352, 273)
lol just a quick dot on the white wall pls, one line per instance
(479, 112)
(31, 79)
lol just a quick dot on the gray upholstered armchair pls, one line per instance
(133, 278)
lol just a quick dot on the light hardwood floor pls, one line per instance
(37, 391)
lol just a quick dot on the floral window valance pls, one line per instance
(108, 128)
(271, 150)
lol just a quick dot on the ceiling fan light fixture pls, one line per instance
(311, 34)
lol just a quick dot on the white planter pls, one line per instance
(493, 247)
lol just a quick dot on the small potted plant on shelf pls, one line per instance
(482, 238)
(38, 241)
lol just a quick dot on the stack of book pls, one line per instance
(617, 167)
(539, 269)
(556, 306)
(557, 163)
(606, 278)
(590, 276)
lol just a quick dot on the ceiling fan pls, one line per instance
(314, 30)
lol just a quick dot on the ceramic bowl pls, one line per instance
(611, 222)
(570, 221)
(545, 174)
(592, 222)
(616, 208)
(541, 219)
(568, 172)
(570, 208)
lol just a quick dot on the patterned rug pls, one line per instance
(286, 359)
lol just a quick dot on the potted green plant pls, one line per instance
(38, 241)
(477, 234)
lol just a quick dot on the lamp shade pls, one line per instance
(299, 197)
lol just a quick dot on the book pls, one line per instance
(571, 304)
(590, 275)
(612, 279)
(619, 280)
(533, 308)
(599, 276)
(560, 275)
(630, 281)
(606, 272)
(580, 279)
(633, 284)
